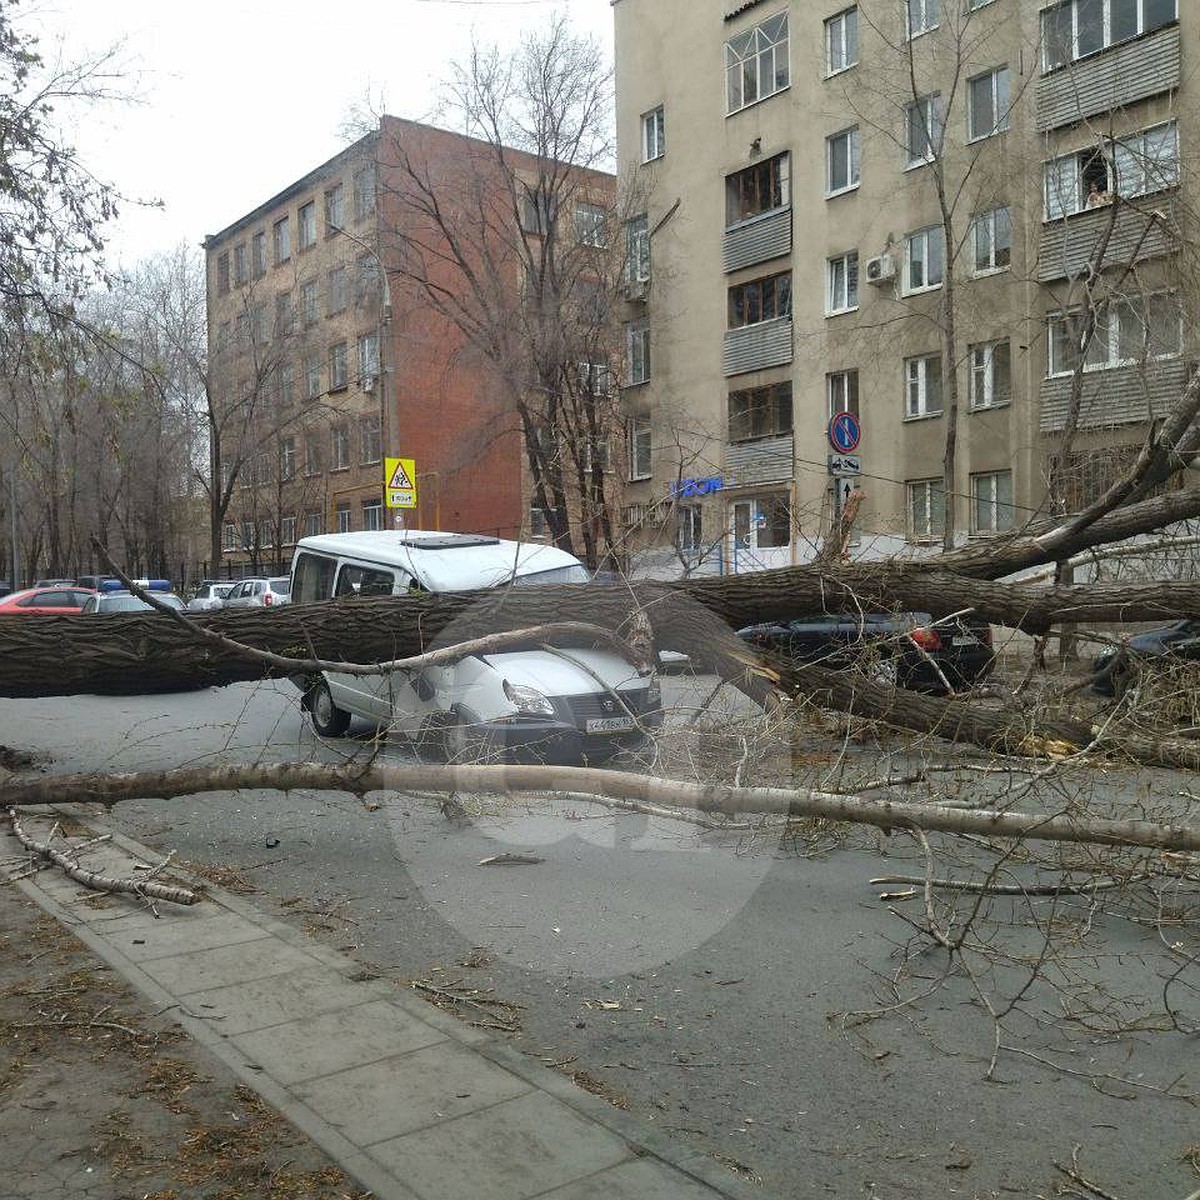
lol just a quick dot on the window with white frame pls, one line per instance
(762, 188)
(287, 385)
(654, 134)
(339, 374)
(990, 380)
(841, 289)
(926, 509)
(312, 375)
(306, 225)
(336, 292)
(287, 531)
(597, 452)
(992, 508)
(287, 458)
(339, 443)
(758, 300)
(843, 166)
(594, 376)
(761, 412)
(308, 303)
(249, 535)
(920, 16)
(757, 63)
(922, 130)
(239, 264)
(368, 359)
(1074, 29)
(923, 386)
(637, 249)
(987, 104)
(372, 514)
(690, 526)
(841, 40)
(991, 240)
(1136, 165)
(281, 241)
(312, 456)
(591, 224)
(229, 536)
(841, 392)
(923, 259)
(368, 439)
(335, 209)
(343, 516)
(639, 447)
(1127, 331)
(638, 343)
(314, 524)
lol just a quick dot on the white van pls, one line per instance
(538, 704)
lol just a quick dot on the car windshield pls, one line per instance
(113, 604)
(282, 586)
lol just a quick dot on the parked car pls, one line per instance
(259, 593)
(54, 583)
(209, 595)
(40, 600)
(530, 703)
(1180, 640)
(94, 581)
(912, 646)
(117, 599)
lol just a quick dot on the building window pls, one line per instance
(992, 508)
(1127, 332)
(287, 386)
(335, 209)
(368, 360)
(1133, 166)
(314, 524)
(841, 41)
(223, 273)
(991, 374)
(342, 515)
(306, 225)
(364, 191)
(841, 391)
(248, 535)
(1076, 28)
(763, 523)
(591, 224)
(368, 434)
(760, 300)
(367, 287)
(690, 524)
(639, 447)
(229, 536)
(308, 303)
(339, 374)
(987, 104)
(597, 452)
(258, 324)
(637, 249)
(920, 16)
(926, 510)
(339, 442)
(594, 377)
(372, 514)
(312, 376)
(654, 134)
(258, 254)
(762, 188)
(756, 63)
(760, 412)
(923, 259)
(841, 291)
(281, 240)
(991, 237)
(842, 161)
(239, 264)
(922, 130)
(336, 292)
(285, 314)
(312, 457)
(639, 352)
(287, 531)
(538, 524)
(923, 386)
(287, 458)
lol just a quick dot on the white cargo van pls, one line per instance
(538, 704)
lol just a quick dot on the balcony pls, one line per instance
(759, 239)
(1117, 396)
(755, 347)
(768, 460)
(1149, 230)
(1121, 75)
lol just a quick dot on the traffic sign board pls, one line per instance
(845, 466)
(400, 482)
(844, 432)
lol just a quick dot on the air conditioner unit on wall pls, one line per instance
(368, 383)
(637, 289)
(881, 269)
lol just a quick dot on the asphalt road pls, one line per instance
(692, 976)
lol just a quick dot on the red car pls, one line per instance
(62, 600)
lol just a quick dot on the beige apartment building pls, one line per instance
(941, 216)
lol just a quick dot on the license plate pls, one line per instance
(965, 639)
(609, 724)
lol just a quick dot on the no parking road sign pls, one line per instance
(844, 432)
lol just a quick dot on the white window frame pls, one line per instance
(852, 153)
(637, 249)
(306, 225)
(372, 514)
(917, 390)
(1106, 32)
(689, 526)
(641, 447)
(287, 458)
(920, 16)
(638, 346)
(991, 241)
(287, 531)
(923, 141)
(1104, 352)
(368, 357)
(1138, 157)
(841, 392)
(369, 442)
(339, 447)
(841, 283)
(927, 494)
(758, 61)
(841, 41)
(986, 490)
(654, 134)
(591, 224)
(339, 367)
(343, 516)
(925, 246)
(999, 97)
(982, 388)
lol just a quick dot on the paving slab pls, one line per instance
(225, 966)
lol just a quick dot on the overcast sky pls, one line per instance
(238, 98)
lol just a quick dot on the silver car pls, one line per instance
(209, 595)
(260, 593)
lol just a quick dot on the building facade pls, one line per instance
(964, 222)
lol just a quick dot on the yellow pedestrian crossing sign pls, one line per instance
(400, 482)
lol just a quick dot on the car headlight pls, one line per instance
(528, 699)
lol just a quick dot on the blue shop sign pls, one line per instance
(690, 489)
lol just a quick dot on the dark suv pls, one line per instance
(921, 651)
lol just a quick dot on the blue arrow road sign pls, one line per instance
(844, 432)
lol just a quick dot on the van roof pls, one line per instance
(444, 562)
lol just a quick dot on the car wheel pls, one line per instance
(461, 741)
(327, 719)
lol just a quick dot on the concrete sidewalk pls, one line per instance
(410, 1102)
